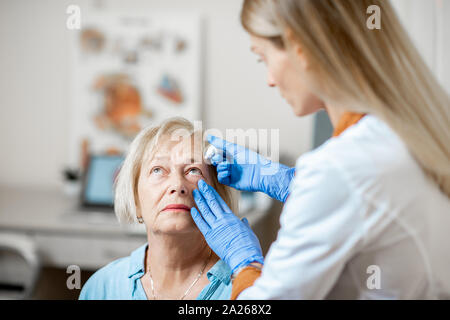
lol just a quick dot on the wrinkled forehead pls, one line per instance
(179, 151)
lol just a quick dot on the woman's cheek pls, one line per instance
(155, 179)
(193, 178)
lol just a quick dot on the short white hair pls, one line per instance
(126, 199)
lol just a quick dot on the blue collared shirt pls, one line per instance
(120, 280)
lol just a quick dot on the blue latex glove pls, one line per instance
(230, 238)
(246, 170)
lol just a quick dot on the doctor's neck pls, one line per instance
(335, 113)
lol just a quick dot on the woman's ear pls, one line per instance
(139, 217)
(138, 210)
(296, 49)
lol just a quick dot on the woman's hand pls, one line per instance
(249, 171)
(230, 238)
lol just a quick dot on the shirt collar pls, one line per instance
(137, 257)
(220, 270)
(347, 120)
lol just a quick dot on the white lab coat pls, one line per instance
(362, 222)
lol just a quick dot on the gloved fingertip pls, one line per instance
(203, 186)
(220, 166)
(216, 159)
(194, 213)
(223, 174)
(224, 179)
(224, 165)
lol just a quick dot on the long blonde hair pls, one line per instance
(379, 72)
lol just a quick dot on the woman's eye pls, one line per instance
(157, 170)
(195, 171)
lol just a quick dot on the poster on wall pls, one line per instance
(129, 71)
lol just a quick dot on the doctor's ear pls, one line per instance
(296, 49)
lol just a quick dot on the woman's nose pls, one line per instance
(179, 188)
(270, 80)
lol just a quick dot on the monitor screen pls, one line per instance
(99, 181)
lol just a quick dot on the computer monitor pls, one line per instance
(98, 181)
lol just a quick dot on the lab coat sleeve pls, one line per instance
(321, 228)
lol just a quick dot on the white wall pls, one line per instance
(428, 25)
(32, 92)
(34, 83)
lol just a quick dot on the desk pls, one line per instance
(66, 236)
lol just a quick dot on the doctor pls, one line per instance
(356, 222)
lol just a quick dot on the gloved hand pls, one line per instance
(230, 238)
(249, 171)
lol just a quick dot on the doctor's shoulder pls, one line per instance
(368, 162)
(367, 151)
(108, 282)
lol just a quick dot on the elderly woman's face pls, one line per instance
(166, 183)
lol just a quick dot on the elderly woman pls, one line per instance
(154, 187)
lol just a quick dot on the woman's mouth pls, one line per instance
(177, 207)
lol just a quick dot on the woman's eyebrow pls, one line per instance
(157, 158)
(192, 160)
(187, 161)
(160, 157)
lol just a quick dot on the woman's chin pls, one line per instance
(178, 225)
(302, 108)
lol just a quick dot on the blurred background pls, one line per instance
(73, 95)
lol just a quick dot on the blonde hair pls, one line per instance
(143, 146)
(379, 72)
